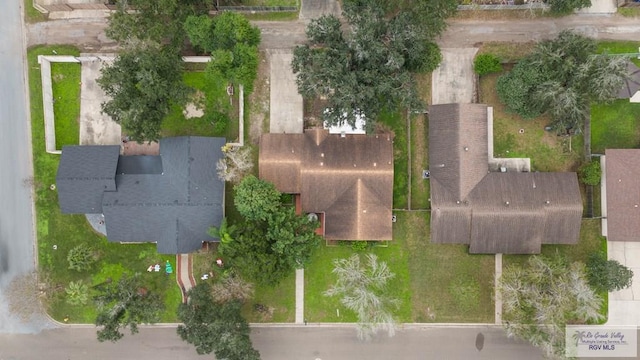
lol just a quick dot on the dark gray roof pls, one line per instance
(139, 164)
(84, 174)
(175, 207)
(631, 83)
(510, 213)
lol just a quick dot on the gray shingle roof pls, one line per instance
(510, 213)
(84, 174)
(174, 207)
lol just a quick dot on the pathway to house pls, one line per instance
(184, 274)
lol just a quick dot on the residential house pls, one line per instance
(622, 196)
(172, 198)
(345, 179)
(494, 205)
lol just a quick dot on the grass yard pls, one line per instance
(508, 52)
(65, 78)
(319, 277)
(397, 123)
(58, 233)
(272, 16)
(615, 126)
(590, 242)
(278, 301)
(220, 114)
(31, 15)
(629, 11)
(621, 47)
(419, 148)
(547, 151)
(438, 271)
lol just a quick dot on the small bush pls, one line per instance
(486, 64)
(359, 245)
(81, 258)
(607, 275)
(77, 293)
(590, 173)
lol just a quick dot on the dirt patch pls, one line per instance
(195, 109)
(259, 101)
(313, 110)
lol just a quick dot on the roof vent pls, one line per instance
(458, 202)
(321, 154)
(506, 203)
(466, 148)
(547, 202)
(312, 216)
(375, 164)
(343, 134)
(635, 206)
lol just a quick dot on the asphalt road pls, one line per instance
(295, 343)
(16, 227)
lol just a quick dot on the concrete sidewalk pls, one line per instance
(454, 80)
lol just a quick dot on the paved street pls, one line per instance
(296, 343)
(16, 228)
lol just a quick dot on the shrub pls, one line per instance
(81, 258)
(77, 293)
(359, 245)
(590, 173)
(607, 275)
(486, 64)
(516, 89)
(565, 7)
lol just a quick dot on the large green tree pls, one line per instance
(126, 303)
(215, 327)
(142, 85)
(369, 69)
(542, 296)
(157, 21)
(561, 77)
(266, 251)
(233, 44)
(608, 275)
(256, 199)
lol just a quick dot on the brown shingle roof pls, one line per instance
(511, 213)
(348, 178)
(623, 194)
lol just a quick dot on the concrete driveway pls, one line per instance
(96, 128)
(453, 81)
(286, 110)
(624, 305)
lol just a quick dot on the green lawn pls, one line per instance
(272, 16)
(396, 122)
(65, 78)
(547, 151)
(220, 114)
(420, 188)
(590, 242)
(279, 300)
(620, 47)
(319, 277)
(615, 126)
(58, 233)
(435, 269)
(31, 15)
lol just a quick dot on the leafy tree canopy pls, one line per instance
(256, 199)
(215, 327)
(142, 85)
(232, 42)
(158, 21)
(561, 77)
(125, 303)
(370, 69)
(544, 295)
(608, 275)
